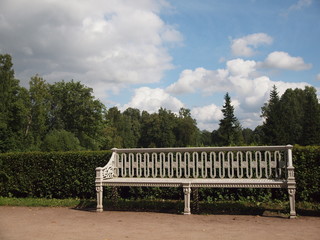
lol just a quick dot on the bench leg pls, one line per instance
(99, 190)
(187, 192)
(292, 193)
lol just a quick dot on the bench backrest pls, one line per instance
(263, 162)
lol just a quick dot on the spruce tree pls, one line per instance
(229, 131)
(272, 129)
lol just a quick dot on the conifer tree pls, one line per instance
(272, 129)
(229, 131)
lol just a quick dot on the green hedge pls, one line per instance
(72, 174)
(50, 175)
(307, 172)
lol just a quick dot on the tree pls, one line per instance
(272, 129)
(292, 119)
(74, 109)
(13, 110)
(123, 129)
(39, 110)
(229, 132)
(291, 116)
(186, 130)
(60, 140)
(311, 118)
(205, 138)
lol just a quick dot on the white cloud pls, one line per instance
(240, 67)
(300, 4)
(151, 99)
(207, 80)
(249, 90)
(283, 60)
(207, 116)
(114, 42)
(245, 46)
(207, 113)
(318, 77)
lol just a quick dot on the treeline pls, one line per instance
(66, 116)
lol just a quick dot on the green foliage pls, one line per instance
(60, 140)
(294, 118)
(39, 202)
(307, 171)
(74, 109)
(51, 175)
(13, 108)
(230, 130)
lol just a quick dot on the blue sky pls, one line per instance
(149, 54)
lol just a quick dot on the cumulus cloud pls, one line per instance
(245, 46)
(151, 99)
(283, 60)
(250, 90)
(207, 80)
(207, 113)
(103, 44)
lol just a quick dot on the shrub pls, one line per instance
(51, 175)
(307, 172)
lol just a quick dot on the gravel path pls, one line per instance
(24, 223)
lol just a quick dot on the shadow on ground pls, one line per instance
(176, 207)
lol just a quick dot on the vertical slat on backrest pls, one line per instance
(278, 160)
(131, 164)
(239, 161)
(154, 158)
(169, 163)
(248, 161)
(228, 164)
(144, 165)
(118, 165)
(139, 164)
(267, 156)
(273, 165)
(221, 164)
(213, 169)
(194, 165)
(186, 158)
(253, 165)
(149, 166)
(202, 164)
(179, 166)
(258, 159)
(161, 166)
(217, 165)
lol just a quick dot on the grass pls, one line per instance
(172, 206)
(38, 202)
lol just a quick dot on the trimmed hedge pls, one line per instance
(51, 175)
(307, 172)
(72, 175)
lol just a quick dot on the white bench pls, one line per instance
(215, 167)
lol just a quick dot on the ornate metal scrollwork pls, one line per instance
(108, 172)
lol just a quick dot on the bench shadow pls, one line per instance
(203, 208)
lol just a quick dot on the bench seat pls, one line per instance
(214, 183)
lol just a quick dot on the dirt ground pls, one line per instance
(24, 223)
